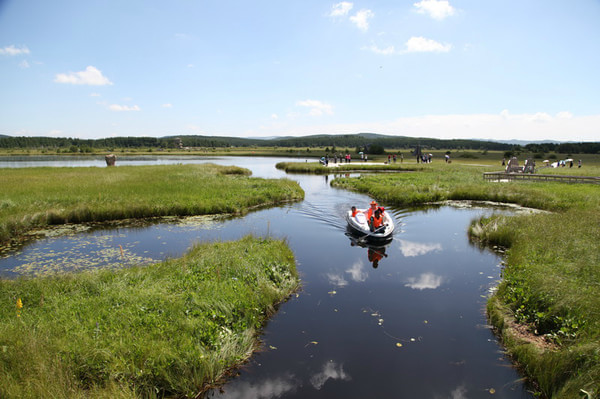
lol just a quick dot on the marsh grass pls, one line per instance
(172, 328)
(551, 279)
(317, 168)
(37, 197)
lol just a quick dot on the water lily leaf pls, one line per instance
(492, 391)
(398, 344)
(332, 292)
(272, 347)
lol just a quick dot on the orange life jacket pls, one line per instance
(377, 221)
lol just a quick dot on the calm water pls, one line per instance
(412, 327)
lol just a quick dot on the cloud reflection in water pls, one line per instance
(268, 389)
(357, 272)
(424, 281)
(331, 370)
(410, 248)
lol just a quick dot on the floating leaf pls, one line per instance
(272, 347)
(332, 292)
(412, 340)
(492, 391)
(398, 344)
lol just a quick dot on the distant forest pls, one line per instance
(374, 142)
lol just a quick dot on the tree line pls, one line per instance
(361, 140)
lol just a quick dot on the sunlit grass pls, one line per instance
(37, 197)
(166, 329)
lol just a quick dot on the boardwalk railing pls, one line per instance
(498, 176)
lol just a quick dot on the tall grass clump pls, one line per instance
(547, 305)
(169, 329)
(37, 197)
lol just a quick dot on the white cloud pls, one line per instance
(12, 50)
(436, 9)
(564, 115)
(91, 76)
(120, 108)
(424, 281)
(274, 116)
(24, 64)
(498, 126)
(541, 117)
(341, 9)
(422, 45)
(167, 105)
(317, 108)
(383, 51)
(361, 19)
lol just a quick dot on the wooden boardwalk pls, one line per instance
(500, 176)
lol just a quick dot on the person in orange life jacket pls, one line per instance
(373, 208)
(354, 211)
(376, 221)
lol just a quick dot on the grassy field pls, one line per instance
(547, 306)
(37, 197)
(168, 329)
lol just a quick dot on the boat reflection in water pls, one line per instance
(376, 251)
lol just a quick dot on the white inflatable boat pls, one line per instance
(358, 225)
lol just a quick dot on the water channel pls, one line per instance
(411, 325)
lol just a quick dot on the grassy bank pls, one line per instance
(546, 307)
(318, 169)
(172, 328)
(37, 197)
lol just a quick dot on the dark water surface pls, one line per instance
(413, 327)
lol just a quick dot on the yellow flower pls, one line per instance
(19, 303)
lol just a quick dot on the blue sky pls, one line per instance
(506, 69)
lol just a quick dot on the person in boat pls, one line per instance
(373, 208)
(376, 221)
(354, 211)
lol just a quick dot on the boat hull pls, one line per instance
(358, 226)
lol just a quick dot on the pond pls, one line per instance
(413, 326)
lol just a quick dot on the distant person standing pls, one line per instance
(579, 164)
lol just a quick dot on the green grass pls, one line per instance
(169, 329)
(317, 168)
(551, 278)
(37, 197)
